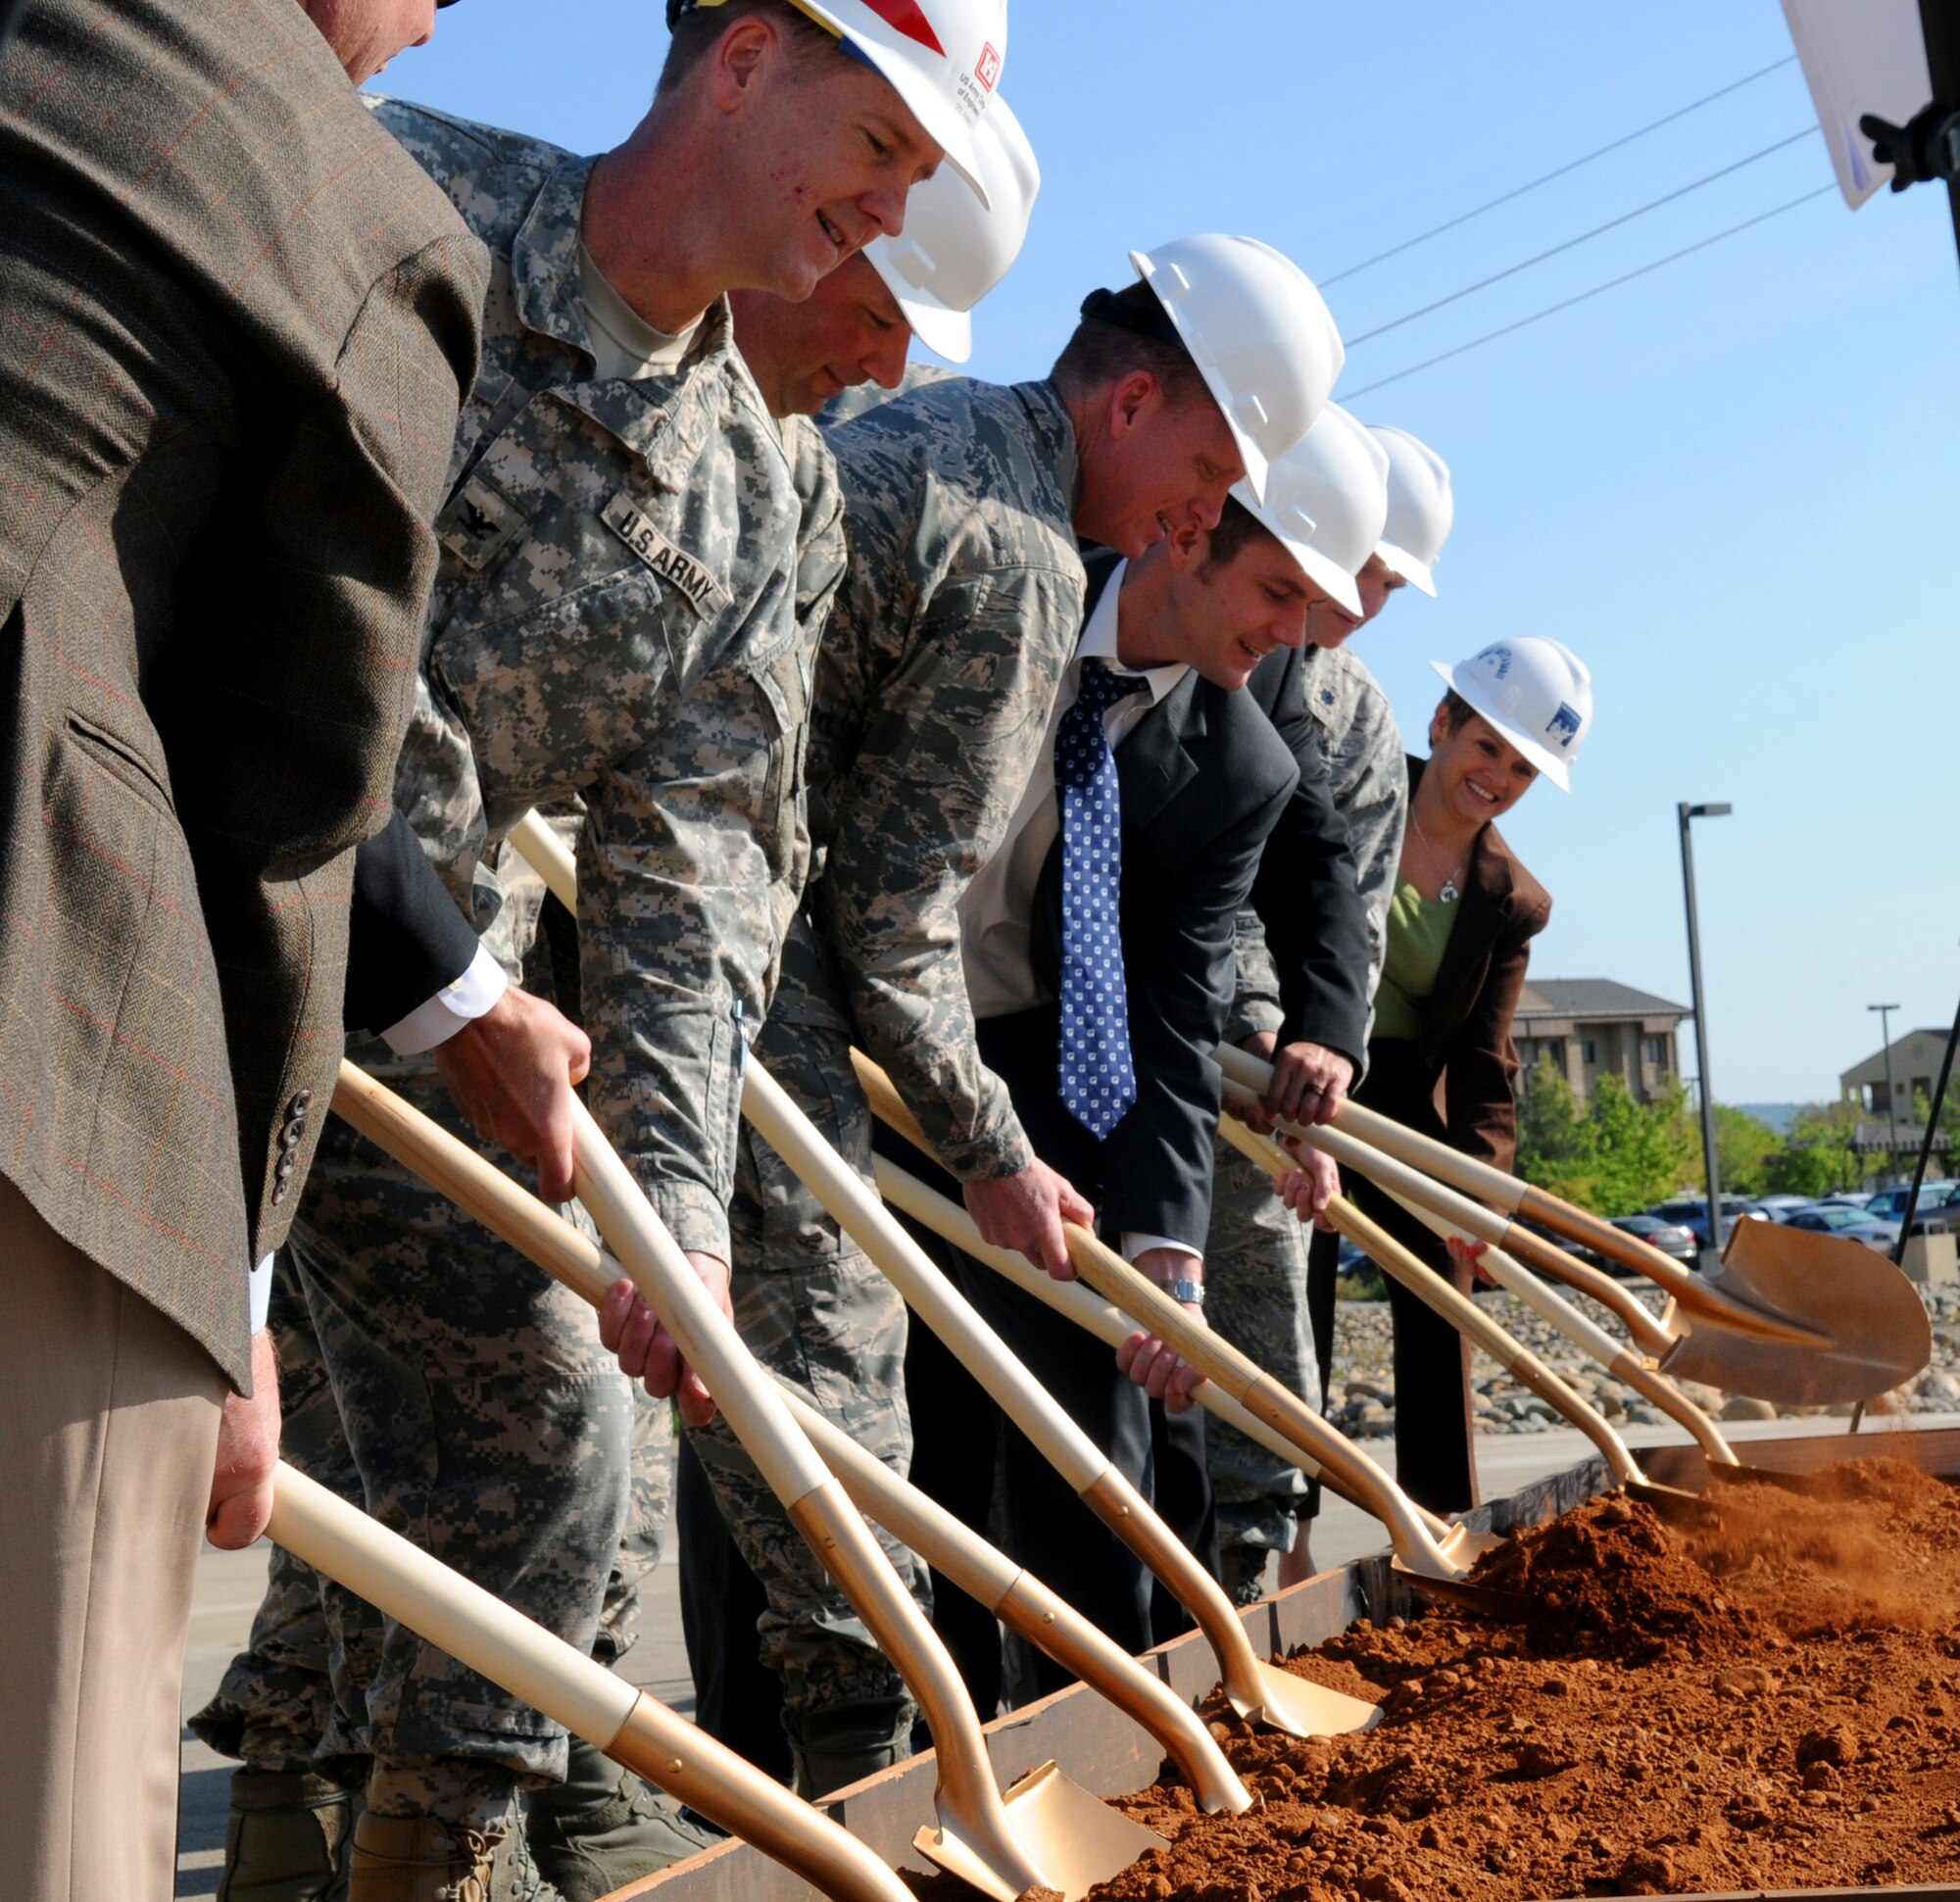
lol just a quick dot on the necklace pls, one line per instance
(1449, 890)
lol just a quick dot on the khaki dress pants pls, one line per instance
(108, 1428)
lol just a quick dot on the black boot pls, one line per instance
(287, 1838)
(603, 1827)
(837, 1747)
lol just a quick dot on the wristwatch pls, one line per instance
(1191, 1292)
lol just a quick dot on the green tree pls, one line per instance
(1817, 1158)
(1641, 1151)
(1743, 1145)
(1554, 1139)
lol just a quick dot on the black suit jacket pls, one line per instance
(1204, 778)
(1307, 889)
(407, 938)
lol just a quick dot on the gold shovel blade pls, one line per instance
(1304, 1709)
(1077, 1840)
(1877, 1334)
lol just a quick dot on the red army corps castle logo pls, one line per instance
(987, 71)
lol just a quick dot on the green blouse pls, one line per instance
(1420, 930)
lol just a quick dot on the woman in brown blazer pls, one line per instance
(1441, 1057)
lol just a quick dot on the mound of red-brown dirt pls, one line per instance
(1769, 1698)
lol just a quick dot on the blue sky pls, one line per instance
(1730, 486)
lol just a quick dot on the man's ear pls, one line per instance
(740, 61)
(1132, 402)
(1187, 546)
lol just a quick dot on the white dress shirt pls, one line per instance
(997, 909)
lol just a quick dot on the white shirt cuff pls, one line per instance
(1134, 1245)
(437, 1020)
(259, 1291)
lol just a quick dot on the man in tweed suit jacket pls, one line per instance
(236, 325)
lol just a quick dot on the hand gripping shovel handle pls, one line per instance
(1249, 1386)
(1584, 1332)
(970, 1799)
(1404, 1180)
(1418, 1153)
(1463, 1314)
(631, 1728)
(1076, 1301)
(1085, 1468)
(973, 1812)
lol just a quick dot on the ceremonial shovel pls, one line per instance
(1437, 1566)
(1793, 1317)
(1077, 1840)
(1469, 1320)
(632, 1729)
(1255, 1689)
(1259, 1691)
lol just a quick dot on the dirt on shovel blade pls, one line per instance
(1771, 1702)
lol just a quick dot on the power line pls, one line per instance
(1551, 310)
(1612, 224)
(1490, 204)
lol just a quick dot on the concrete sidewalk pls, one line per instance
(229, 1584)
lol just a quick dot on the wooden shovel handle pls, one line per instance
(480, 1188)
(1402, 1179)
(482, 1632)
(1025, 1605)
(1354, 1477)
(649, 1256)
(544, 852)
(1508, 1194)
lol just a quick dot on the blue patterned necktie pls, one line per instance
(1096, 1081)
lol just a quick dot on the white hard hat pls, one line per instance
(1537, 693)
(1421, 507)
(1260, 334)
(954, 250)
(1326, 500)
(943, 58)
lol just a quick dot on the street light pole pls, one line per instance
(1885, 1011)
(1685, 812)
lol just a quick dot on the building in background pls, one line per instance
(1592, 1025)
(1915, 1064)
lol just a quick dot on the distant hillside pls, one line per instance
(1776, 1115)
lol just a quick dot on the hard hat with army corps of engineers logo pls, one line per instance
(1537, 693)
(942, 56)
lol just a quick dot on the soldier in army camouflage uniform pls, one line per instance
(1259, 1251)
(616, 618)
(958, 612)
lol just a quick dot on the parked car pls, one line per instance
(1776, 1209)
(1670, 1238)
(1888, 1205)
(1691, 1213)
(1853, 1224)
(1847, 1198)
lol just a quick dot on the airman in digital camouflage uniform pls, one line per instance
(958, 612)
(1263, 1262)
(616, 619)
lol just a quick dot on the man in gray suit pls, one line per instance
(236, 325)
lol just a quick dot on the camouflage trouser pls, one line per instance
(275, 1707)
(1256, 1298)
(487, 1425)
(645, 1537)
(813, 1308)
(295, 1698)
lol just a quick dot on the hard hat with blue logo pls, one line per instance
(1537, 693)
